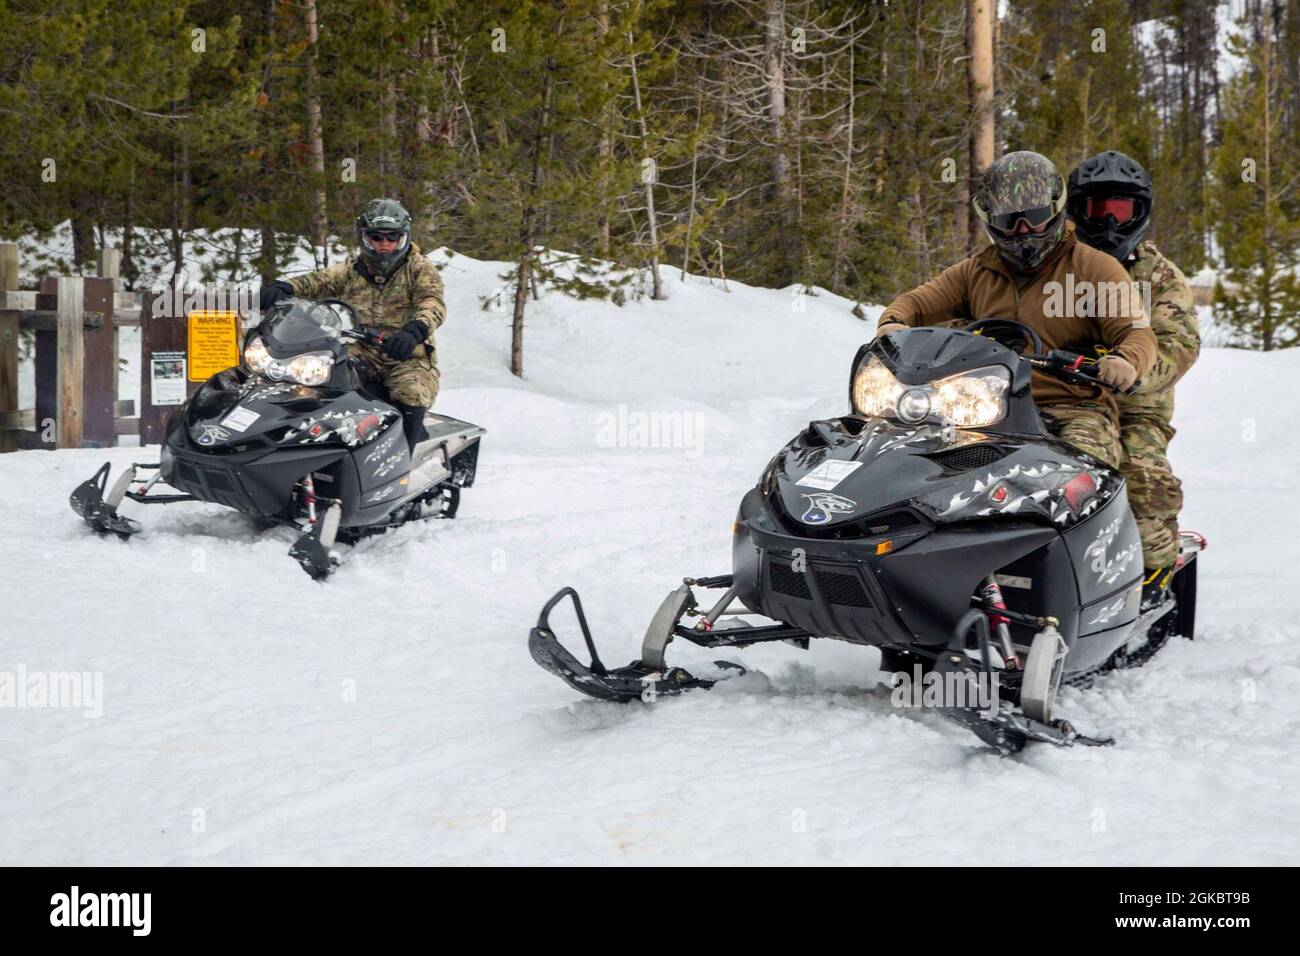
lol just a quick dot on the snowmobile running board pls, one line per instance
(649, 677)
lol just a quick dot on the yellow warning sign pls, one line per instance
(213, 343)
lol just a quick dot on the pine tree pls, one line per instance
(1255, 198)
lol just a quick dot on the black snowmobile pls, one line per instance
(295, 436)
(940, 521)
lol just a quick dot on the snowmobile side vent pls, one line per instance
(785, 580)
(969, 457)
(889, 522)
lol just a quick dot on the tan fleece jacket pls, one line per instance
(1078, 298)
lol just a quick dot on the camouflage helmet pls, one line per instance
(1110, 202)
(384, 215)
(1022, 187)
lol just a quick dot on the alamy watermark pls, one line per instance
(627, 428)
(949, 689)
(176, 302)
(72, 690)
(1089, 300)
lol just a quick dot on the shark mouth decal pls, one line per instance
(1065, 493)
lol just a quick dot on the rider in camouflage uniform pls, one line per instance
(395, 290)
(1110, 203)
(1021, 200)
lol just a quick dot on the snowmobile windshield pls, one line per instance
(299, 341)
(296, 325)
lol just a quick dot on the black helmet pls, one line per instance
(1110, 202)
(384, 215)
(1022, 187)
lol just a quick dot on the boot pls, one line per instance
(1155, 587)
(412, 424)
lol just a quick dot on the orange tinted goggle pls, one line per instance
(1122, 208)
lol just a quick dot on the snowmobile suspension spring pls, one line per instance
(309, 497)
(991, 594)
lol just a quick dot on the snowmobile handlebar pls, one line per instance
(1076, 369)
(367, 336)
(1068, 365)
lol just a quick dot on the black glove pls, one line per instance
(273, 293)
(401, 344)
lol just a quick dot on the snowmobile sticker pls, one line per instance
(381, 449)
(384, 493)
(823, 505)
(1065, 493)
(212, 434)
(387, 465)
(1108, 571)
(240, 419)
(1014, 581)
(1108, 613)
(351, 426)
(829, 474)
(261, 392)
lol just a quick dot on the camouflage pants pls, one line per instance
(1154, 493)
(412, 381)
(1139, 453)
(1089, 427)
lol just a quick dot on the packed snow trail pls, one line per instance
(393, 715)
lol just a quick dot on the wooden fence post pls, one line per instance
(110, 266)
(99, 374)
(71, 330)
(9, 341)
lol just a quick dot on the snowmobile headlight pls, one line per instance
(256, 357)
(875, 390)
(914, 405)
(974, 399)
(312, 368)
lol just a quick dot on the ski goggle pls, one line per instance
(1036, 219)
(379, 235)
(1121, 207)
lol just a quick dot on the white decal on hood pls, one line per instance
(829, 474)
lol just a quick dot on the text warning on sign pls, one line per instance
(213, 343)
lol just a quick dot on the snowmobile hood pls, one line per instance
(233, 410)
(843, 476)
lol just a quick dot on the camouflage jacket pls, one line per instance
(414, 291)
(1173, 320)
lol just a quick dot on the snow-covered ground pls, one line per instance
(393, 715)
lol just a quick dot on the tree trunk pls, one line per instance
(387, 129)
(129, 271)
(979, 46)
(774, 74)
(1267, 266)
(266, 264)
(318, 214)
(841, 234)
(605, 148)
(695, 181)
(521, 300)
(83, 235)
(648, 177)
(527, 230)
